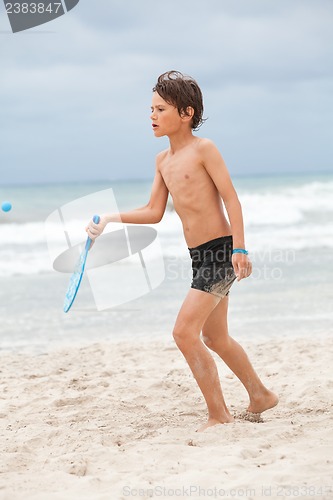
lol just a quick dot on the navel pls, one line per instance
(187, 176)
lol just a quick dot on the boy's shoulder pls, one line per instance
(161, 155)
(207, 150)
(206, 144)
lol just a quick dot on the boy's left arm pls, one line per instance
(217, 170)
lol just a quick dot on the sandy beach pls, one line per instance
(118, 420)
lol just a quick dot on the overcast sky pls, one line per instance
(75, 93)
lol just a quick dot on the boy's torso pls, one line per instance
(195, 196)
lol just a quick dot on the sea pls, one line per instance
(289, 234)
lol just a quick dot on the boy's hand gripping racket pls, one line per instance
(76, 277)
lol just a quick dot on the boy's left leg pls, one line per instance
(216, 337)
(196, 308)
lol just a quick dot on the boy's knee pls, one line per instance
(207, 341)
(211, 342)
(179, 334)
(184, 335)
(216, 343)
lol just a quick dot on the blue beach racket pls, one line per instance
(76, 277)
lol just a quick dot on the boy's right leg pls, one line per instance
(216, 337)
(196, 307)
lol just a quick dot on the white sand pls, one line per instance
(118, 421)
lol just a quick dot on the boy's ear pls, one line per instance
(188, 114)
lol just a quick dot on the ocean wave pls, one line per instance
(288, 205)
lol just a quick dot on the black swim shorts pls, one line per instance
(212, 267)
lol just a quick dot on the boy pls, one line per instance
(194, 173)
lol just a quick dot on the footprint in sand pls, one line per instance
(250, 417)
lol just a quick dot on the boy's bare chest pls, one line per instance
(182, 175)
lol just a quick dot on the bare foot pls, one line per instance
(264, 402)
(213, 421)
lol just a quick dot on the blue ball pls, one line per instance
(6, 206)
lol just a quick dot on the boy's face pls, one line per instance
(165, 117)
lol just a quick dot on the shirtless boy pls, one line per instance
(194, 173)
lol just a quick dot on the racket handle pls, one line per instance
(96, 219)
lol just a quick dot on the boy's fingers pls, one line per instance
(94, 230)
(242, 267)
(249, 269)
(240, 275)
(236, 270)
(242, 272)
(92, 233)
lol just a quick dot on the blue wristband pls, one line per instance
(240, 250)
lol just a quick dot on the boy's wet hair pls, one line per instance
(181, 91)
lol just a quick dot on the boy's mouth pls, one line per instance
(154, 125)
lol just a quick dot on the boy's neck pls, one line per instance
(180, 140)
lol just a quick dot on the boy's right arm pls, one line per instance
(151, 213)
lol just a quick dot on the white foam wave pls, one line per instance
(24, 262)
(287, 206)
